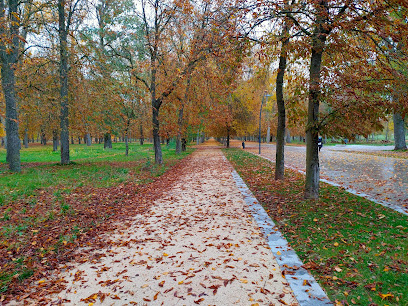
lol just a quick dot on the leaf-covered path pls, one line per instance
(197, 245)
(380, 178)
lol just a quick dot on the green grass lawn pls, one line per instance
(91, 165)
(356, 249)
(47, 207)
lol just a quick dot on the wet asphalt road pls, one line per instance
(384, 179)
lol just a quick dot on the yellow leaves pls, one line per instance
(243, 280)
(180, 282)
(315, 220)
(338, 269)
(278, 253)
(144, 286)
(336, 244)
(165, 254)
(41, 282)
(385, 296)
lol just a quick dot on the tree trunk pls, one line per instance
(156, 136)
(63, 34)
(26, 140)
(198, 136)
(88, 139)
(399, 132)
(179, 129)
(127, 144)
(107, 141)
(54, 141)
(280, 133)
(141, 134)
(183, 144)
(228, 137)
(288, 138)
(312, 129)
(79, 140)
(9, 57)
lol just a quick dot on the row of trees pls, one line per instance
(166, 68)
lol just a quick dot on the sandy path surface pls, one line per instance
(197, 245)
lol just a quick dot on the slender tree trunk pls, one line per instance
(198, 136)
(179, 129)
(126, 143)
(26, 140)
(156, 136)
(280, 133)
(183, 144)
(54, 141)
(63, 34)
(141, 135)
(228, 137)
(399, 132)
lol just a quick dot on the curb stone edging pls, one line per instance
(305, 288)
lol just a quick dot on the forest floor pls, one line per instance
(195, 243)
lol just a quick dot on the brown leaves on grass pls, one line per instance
(55, 228)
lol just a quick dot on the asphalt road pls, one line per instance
(384, 179)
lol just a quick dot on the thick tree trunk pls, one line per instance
(288, 138)
(63, 34)
(183, 144)
(88, 139)
(9, 57)
(399, 132)
(107, 141)
(321, 31)
(312, 130)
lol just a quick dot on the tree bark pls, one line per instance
(107, 141)
(9, 58)
(312, 129)
(54, 141)
(88, 139)
(141, 139)
(26, 140)
(63, 34)
(399, 132)
(156, 136)
(280, 133)
(180, 129)
(228, 137)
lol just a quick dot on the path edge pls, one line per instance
(305, 288)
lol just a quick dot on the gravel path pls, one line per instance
(197, 245)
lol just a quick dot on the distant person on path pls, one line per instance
(320, 143)
(243, 144)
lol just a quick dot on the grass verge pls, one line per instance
(356, 249)
(48, 210)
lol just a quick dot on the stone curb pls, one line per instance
(305, 288)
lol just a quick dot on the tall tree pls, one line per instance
(9, 56)
(65, 17)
